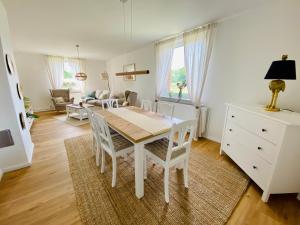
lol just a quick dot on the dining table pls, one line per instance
(139, 127)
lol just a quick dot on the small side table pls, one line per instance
(77, 111)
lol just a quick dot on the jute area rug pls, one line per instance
(74, 122)
(215, 187)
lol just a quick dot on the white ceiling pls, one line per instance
(56, 26)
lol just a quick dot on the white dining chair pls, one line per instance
(165, 109)
(147, 105)
(90, 116)
(109, 103)
(115, 145)
(167, 152)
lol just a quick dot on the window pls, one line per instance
(69, 77)
(177, 76)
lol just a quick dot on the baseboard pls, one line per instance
(213, 139)
(1, 174)
(16, 167)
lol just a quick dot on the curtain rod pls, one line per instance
(185, 31)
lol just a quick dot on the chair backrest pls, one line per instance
(102, 132)
(90, 115)
(132, 97)
(110, 103)
(178, 139)
(147, 105)
(165, 109)
(65, 93)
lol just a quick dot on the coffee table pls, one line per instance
(77, 111)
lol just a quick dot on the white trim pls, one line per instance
(16, 167)
(1, 174)
(215, 139)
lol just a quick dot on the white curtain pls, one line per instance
(164, 55)
(197, 51)
(55, 71)
(77, 65)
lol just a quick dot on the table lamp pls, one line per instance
(278, 72)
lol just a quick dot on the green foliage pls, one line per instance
(68, 75)
(178, 76)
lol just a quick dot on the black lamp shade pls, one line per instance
(282, 70)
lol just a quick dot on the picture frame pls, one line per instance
(129, 68)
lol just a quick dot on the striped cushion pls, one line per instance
(119, 142)
(160, 148)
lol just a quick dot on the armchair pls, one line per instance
(61, 93)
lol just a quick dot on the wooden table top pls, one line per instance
(132, 132)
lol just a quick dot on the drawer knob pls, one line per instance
(228, 144)
(232, 116)
(264, 130)
(254, 167)
(230, 130)
(259, 148)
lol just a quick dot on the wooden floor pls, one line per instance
(43, 194)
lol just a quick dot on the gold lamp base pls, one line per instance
(275, 86)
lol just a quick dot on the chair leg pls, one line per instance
(114, 171)
(103, 161)
(186, 173)
(94, 145)
(145, 166)
(166, 185)
(97, 155)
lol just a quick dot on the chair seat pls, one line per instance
(112, 131)
(120, 143)
(160, 148)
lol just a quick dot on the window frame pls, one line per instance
(187, 101)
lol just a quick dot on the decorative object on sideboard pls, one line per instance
(278, 72)
(81, 76)
(29, 111)
(104, 76)
(19, 91)
(181, 86)
(9, 64)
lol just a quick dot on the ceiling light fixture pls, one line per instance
(81, 76)
(140, 72)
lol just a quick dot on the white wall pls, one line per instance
(244, 48)
(35, 83)
(144, 85)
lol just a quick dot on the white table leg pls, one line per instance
(138, 169)
(68, 112)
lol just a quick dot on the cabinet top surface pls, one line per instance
(284, 116)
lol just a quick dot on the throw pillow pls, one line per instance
(104, 94)
(125, 103)
(98, 93)
(59, 100)
(92, 94)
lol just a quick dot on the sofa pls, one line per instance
(128, 98)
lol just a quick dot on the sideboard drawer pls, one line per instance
(263, 127)
(257, 168)
(255, 144)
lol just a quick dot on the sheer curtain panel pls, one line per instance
(164, 55)
(198, 45)
(55, 67)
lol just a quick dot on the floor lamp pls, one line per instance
(104, 76)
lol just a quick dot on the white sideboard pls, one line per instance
(265, 145)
